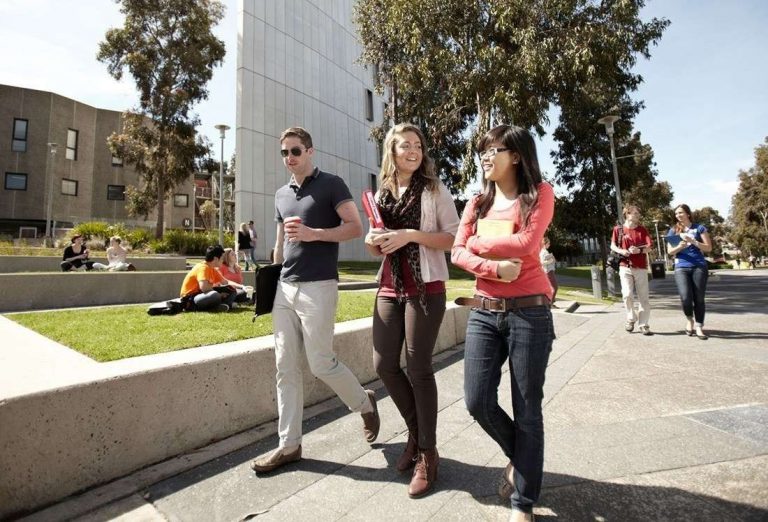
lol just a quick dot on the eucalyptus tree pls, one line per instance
(749, 206)
(169, 49)
(459, 66)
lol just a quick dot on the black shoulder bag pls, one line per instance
(614, 260)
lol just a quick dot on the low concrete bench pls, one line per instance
(86, 423)
(18, 264)
(44, 290)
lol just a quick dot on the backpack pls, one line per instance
(172, 307)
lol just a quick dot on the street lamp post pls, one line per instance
(49, 204)
(222, 129)
(608, 121)
(658, 239)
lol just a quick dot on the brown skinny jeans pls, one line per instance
(415, 395)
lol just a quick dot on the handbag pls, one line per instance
(614, 260)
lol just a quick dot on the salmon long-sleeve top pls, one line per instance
(470, 251)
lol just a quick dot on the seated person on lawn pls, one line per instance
(204, 285)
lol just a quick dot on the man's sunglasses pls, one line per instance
(295, 151)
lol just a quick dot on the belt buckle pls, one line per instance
(495, 304)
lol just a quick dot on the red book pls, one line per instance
(372, 209)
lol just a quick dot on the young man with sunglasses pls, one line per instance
(314, 212)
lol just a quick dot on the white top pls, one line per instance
(438, 214)
(548, 263)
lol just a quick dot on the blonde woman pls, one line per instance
(231, 271)
(420, 222)
(117, 255)
(244, 243)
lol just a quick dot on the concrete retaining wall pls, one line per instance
(132, 413)
(39, 291)
(18, 264)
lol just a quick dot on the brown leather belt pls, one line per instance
(503, 304)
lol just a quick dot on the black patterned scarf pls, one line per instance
(400, 214)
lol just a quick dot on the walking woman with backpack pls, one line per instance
(498, 241)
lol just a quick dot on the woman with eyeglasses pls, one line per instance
(510, 322)
(687, 242)
(420, 222)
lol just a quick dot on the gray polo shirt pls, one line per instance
(315, 202)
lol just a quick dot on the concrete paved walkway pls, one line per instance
(667, 427)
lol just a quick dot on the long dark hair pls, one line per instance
(519, 140)
(679, 226)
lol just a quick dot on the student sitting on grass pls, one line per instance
(204, 288)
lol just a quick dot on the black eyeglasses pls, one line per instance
(295, 151)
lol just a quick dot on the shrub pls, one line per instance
(187, 243)
(138, 238)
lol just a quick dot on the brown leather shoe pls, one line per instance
(424, 474)
(275, 459)
(507, 486)
(371, 421)
(408, 459)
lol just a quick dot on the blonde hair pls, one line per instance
(225, 257)
(388, 172)
(244, 228)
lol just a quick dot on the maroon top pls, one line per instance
(638, 237)
(387, 287)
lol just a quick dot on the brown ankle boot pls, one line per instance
(424, 474)
(408, 459)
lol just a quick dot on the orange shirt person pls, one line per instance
(204, 285)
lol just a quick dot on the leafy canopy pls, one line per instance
(458, 66)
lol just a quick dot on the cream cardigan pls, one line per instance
(438, 214)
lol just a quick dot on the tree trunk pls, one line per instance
(160, 209)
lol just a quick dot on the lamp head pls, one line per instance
(608, 121)
(52, 147)
(222, 129)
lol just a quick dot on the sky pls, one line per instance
(705, 86)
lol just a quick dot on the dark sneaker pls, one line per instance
(371, 421)
(275, 459)
(629, 326)
(646, 330)
(221, 308)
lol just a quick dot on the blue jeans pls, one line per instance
(692, 287)
(523, 338)
(209, 300)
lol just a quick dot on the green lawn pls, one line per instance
(117, 332)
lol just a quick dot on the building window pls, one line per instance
(379, 152)
(71, 144)
(19, 135)
(368, 105)
(372, 182)
(180, 200)
(117, 162)
(69, 187)
(15, 181)
(116, 192)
